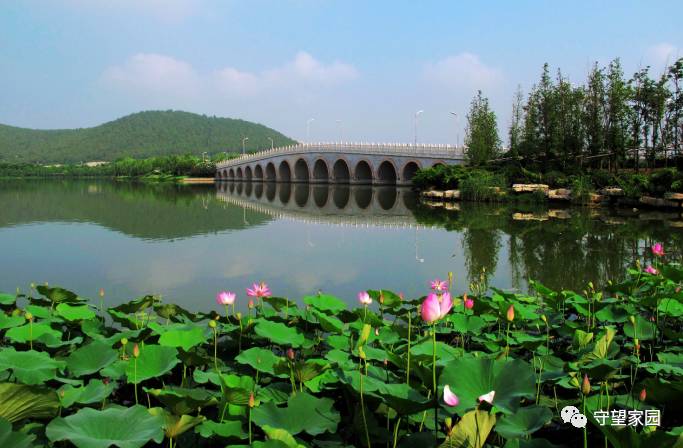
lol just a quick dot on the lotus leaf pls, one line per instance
(279, 333)
(8, 438)
(91, 358)
(78, 312)
(304, 413)
(30, 367)
(523, 422)
(154, 361)
(20, 401)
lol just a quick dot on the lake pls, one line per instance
(188, 242)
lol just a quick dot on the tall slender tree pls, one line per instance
(483, 143)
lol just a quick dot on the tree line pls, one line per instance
(607, 122)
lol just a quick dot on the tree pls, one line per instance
(516, 123)
(482, 141)
(618, 94)
(594, 111)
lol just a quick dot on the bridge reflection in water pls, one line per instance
(359, 205)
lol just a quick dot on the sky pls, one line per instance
(359, 69)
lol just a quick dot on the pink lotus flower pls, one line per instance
(439, 285)
(449, 397)
(658, 249)
(225, 298)
(364, 298)
(258, 290)
(435, 307)
(650, 270)
(487, 397)
(469, 303)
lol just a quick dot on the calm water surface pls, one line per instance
(186, 243)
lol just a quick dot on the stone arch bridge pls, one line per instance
(343, 163)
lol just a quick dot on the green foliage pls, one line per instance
(581, 188)
(482, 141)
(140, 135)
(634, 185)
(482, 185)
(442, 177)
(332, 386)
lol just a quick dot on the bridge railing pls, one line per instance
(379, 148)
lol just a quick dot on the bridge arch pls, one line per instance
(248, 174)
(239, 173)
(363, 172)
(271, 175)
(438, 162)
(341, 172)
(409, 170)
(258, 172)
(285, 193)
(284, 172)
(387, 198)
(271, 190)
(258, 190)
(321, 172)
(231, 174)
(301, 173)
(387, 173)
(320, 195)
(363, 196)
(340, 196)
(301, 194)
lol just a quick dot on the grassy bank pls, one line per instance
(490, 367)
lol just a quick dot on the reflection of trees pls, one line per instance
(154, 211)
(563, 254)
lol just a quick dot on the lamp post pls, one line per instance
(417, 114)
(457, 130)
(308, 129)
(243, 141)
(271, 143)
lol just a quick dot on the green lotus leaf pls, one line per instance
(136, 305)
(57, 295)
(181, 400)
(20, 401)
(472, 430)
(303, 413)
(173, 311)
(175, 425)
(185, 339)
(260, 359)
(671, 307)
(78, 312)
(279, 333)
(467, 324)
(424, 351)
(38, 311)
(9, 438)
(33, 332)
(325, 302)
(523, 422)
(329, 323)
(154, 361)
(282, 436)
(115, 426)
(115, 370)
(30, 367)
(226, 428)
(644, 330)
(94, 392)
(91, 358)
(389, 299)
(11, 321)
(7, 299)
(469, 378)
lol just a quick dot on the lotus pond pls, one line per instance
(488, 369)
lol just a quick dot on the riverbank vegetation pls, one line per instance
(141, 135)
(152, 169)
(609, 131)
(488, 368)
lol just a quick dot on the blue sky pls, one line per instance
(360, 68)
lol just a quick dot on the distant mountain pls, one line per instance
(140, 135)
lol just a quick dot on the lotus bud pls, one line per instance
(33, 285)
(136, 350)
(636, 345)
(124, 341)
(61, 393)
(212, 323)
(585, 385)
(252, 400)
(101, 292)
(376, 331)
(238, 315)
(381, 298)
(643, 395)
(449, 423)
(638, 265)
(290, 354)
(28, 315)
(400, 296)
(632, 319)
(544, 319)
(386, 362)
(511, 313)
(18, 290)
(250, 304)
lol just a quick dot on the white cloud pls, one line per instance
(464, 71)
(662, 54)
(161, 74)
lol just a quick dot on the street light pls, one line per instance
(271, 143)
(308, 129)
(417, 114)
(457, 130)
(244, 140)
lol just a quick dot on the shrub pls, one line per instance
(581, 188)
(481, 185)
(440, 177)
(602, 179)
(661, 180)
(634, 185)
(556, 179)
(677, 186)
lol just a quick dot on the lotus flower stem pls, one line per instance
(434, 385)
(410, 327)
(135, 377)
(362, 404)
(215, 346)
(396, 427)
(249, 426)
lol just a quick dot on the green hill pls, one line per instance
(144, 134)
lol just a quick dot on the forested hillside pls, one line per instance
(140, 135)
